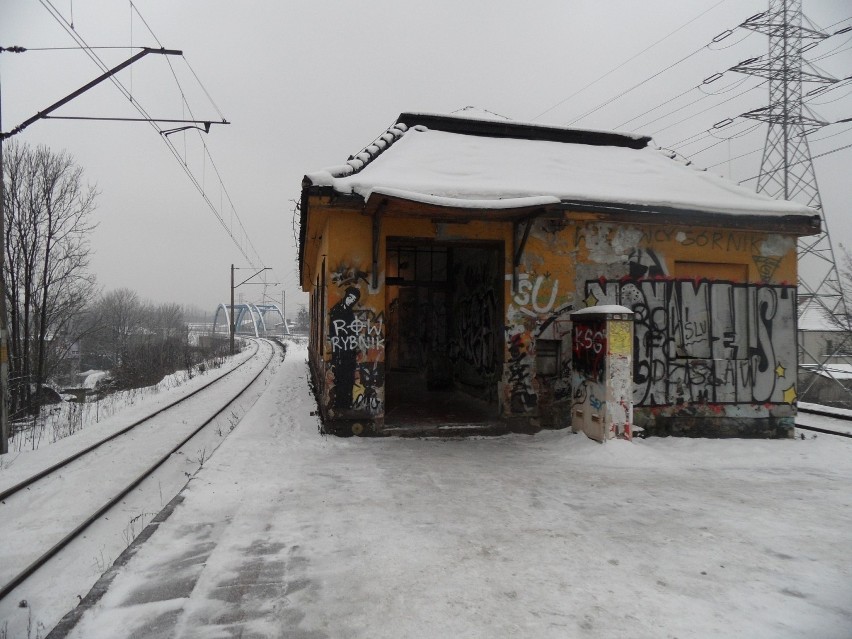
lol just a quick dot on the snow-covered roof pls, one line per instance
(603, 309)
(836, 371)
(816, 318)
(479, 163)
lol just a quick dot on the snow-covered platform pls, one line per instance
(285, 533)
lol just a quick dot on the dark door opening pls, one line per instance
(444, 304)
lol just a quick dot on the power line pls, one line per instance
(753, 127)
(611, 71)
(813, 157)
(710, 108)
(662, 104)
(707, 81)
(718, 38)
(635, 86)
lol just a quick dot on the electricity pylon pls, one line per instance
(786, 170)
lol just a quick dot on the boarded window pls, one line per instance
(547, 357)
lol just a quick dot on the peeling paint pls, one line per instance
(777, 245)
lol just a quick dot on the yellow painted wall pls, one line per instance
(574, 262)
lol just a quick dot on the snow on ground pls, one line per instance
(34, 520)
(287, 533)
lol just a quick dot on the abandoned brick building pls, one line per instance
(444, 259)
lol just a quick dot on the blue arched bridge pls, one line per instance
(257, 320)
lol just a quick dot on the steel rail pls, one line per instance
(824, 413)
(8, 492)
(43, 559)
(824, 430)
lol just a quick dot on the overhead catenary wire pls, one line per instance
(188, 66)
(733, 86)
(756, 150)
(709, 133)
(169, 144)
(207, 155)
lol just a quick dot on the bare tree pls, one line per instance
(137, 341)
(303, 320)
(48, 220)
(119, 315)
(168, 320)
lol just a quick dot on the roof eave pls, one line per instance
(794, 224)
(310, 189)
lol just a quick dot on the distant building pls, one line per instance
(449, 253)
(825, 362)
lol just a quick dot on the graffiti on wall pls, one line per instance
(707, 341)
(522, 396)
(766, 265)
(474, 340)
(645, 263)
(531, 294)
(365, 392)
(344, 346)
(344, 275)
(356, 336)
(535, 315)
(588, 349)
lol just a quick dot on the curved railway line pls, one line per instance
(122, 492)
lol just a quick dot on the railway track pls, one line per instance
(83, 460)
(825, 413)
(11, 490)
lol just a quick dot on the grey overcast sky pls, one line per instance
(306, 84)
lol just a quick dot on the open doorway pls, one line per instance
(444, 347)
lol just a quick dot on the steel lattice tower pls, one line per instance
(786, 169)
